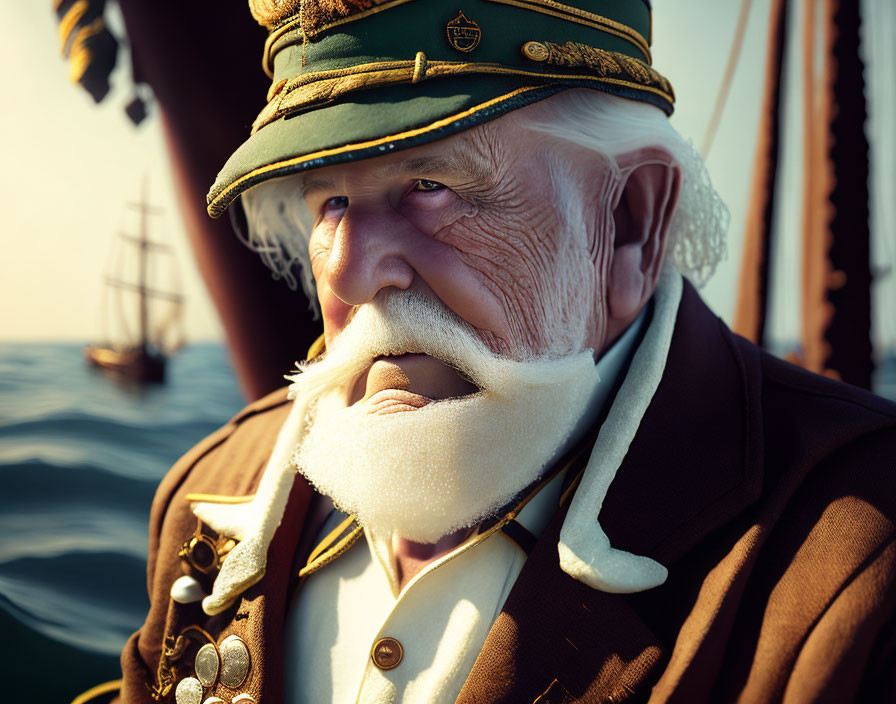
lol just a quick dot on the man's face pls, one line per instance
(470, 220)
(462, 284)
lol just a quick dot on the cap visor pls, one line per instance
(369, 124)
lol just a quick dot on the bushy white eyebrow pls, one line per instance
(420, 166)
(313, 184)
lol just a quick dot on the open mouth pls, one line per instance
(408, 382)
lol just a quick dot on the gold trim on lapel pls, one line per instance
(220, 498)
(328, 555)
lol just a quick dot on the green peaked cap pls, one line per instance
(353, 79)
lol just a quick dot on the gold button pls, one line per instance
(235, 661)
(207, 664)
(536, 51)
(189, 691)
(200, 552)
(386, 653)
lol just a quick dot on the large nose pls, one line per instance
(370, 252)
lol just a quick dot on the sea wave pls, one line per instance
(96, 612)
(80, 459)
(92, 426)
(36, 482)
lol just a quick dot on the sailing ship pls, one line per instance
(144, 310)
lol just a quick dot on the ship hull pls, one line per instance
(134, 363)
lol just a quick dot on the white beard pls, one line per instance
(451, 464)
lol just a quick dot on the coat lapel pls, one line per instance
(697, 457)
(550, 641)
(695, 463)
(262, 607)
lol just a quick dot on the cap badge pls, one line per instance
(463, 33)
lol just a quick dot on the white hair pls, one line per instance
(610, 126)
(279, 224)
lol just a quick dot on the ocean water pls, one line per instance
(80, 457)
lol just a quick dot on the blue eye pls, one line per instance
(424, 185)
(336, 203)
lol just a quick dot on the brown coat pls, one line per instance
(768, 492)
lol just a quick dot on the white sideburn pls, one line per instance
(585, 551)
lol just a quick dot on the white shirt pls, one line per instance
(441, 617)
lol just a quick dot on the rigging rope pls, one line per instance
(727, 78)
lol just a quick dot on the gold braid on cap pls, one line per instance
(578, 62)
(314, 15)
(270, 13)
(603, 63)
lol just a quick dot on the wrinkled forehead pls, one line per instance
(471, 156)
(476, 155)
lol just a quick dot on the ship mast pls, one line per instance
(143, 247)
(141, 287)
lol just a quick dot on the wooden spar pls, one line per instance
(813, 264)
(752, 303)
(836, 303)
(835, 263)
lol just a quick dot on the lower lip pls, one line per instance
(395, 401)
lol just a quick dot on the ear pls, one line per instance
(642, 219)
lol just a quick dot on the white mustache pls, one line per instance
(408, 322)
(401, 322)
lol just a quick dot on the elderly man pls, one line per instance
(525, 462)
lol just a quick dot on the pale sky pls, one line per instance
(70, 167)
